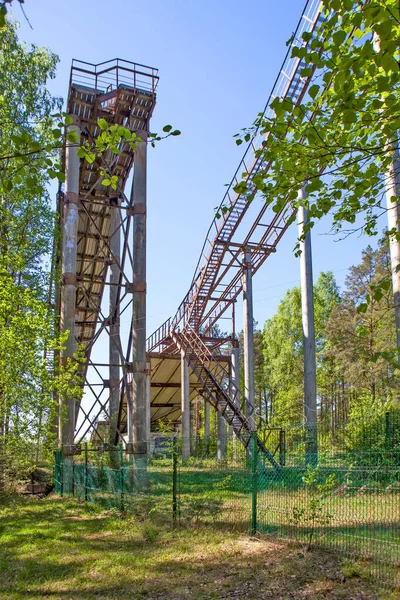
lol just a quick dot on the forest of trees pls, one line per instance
(357, 370)
(29, 143)
(357, 376)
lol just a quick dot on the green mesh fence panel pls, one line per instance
(57, 471)
(345, 498)
(215, 490)
(115, 480)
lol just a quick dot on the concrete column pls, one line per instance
(115, 359)
(206, 426)
(248, 340)
(192, 430)
(197, 424)
(392, 185)
(235, 379)
(148, 409)
(185, 406)
(221, 442)
(307, 308)
(69, 281)
(235, 374)
(139, 366)
(57, 306)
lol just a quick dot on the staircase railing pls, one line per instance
(219, 390)
(158, 336)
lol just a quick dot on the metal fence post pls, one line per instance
(387, 430)
(282, 447)
(254, 457)
(174, 479)
(121, 468)
(62, 473)
(86, 472)
(57, 471)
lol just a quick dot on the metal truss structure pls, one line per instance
(96, 226)
(236, 246)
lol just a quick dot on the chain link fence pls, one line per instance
(345, 498)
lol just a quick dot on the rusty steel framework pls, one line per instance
(236, 246)
(244, 230)
(217, 282)
(122, 93)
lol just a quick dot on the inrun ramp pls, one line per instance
(124, 93)
(219, 274)
(97, 222)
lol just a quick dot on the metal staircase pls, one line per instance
(217, 281)
(219, 390)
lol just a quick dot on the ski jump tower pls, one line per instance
(138, 384)
(102, 254)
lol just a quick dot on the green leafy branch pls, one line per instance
(27, 154)
(340, 137)
(168, 129)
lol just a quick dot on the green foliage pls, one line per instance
(357, 373)
(27, 406)
(150, 531)
(312, 512)
(359, 342)
(342, 135)
(373, 438)
(283, 349)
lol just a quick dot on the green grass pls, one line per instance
(61, 550)
(365, 524)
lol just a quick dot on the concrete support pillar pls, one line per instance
(235, 374)
(148, 409)
(197, 425)
(69, 282)
(392, 185)
(248, 339)
(235, 382)
(206, 426)
(114, 341)
(221, 442)
(392, 188)
(192, 429)
(139, 364)
(185, 405)
(307, 307)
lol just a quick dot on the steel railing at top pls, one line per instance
(110, 75)
(159, 335)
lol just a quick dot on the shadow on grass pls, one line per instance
(57, 549)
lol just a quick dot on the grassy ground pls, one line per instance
(60, 550)
(359, 520)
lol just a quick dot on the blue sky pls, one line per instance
(218, 60)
